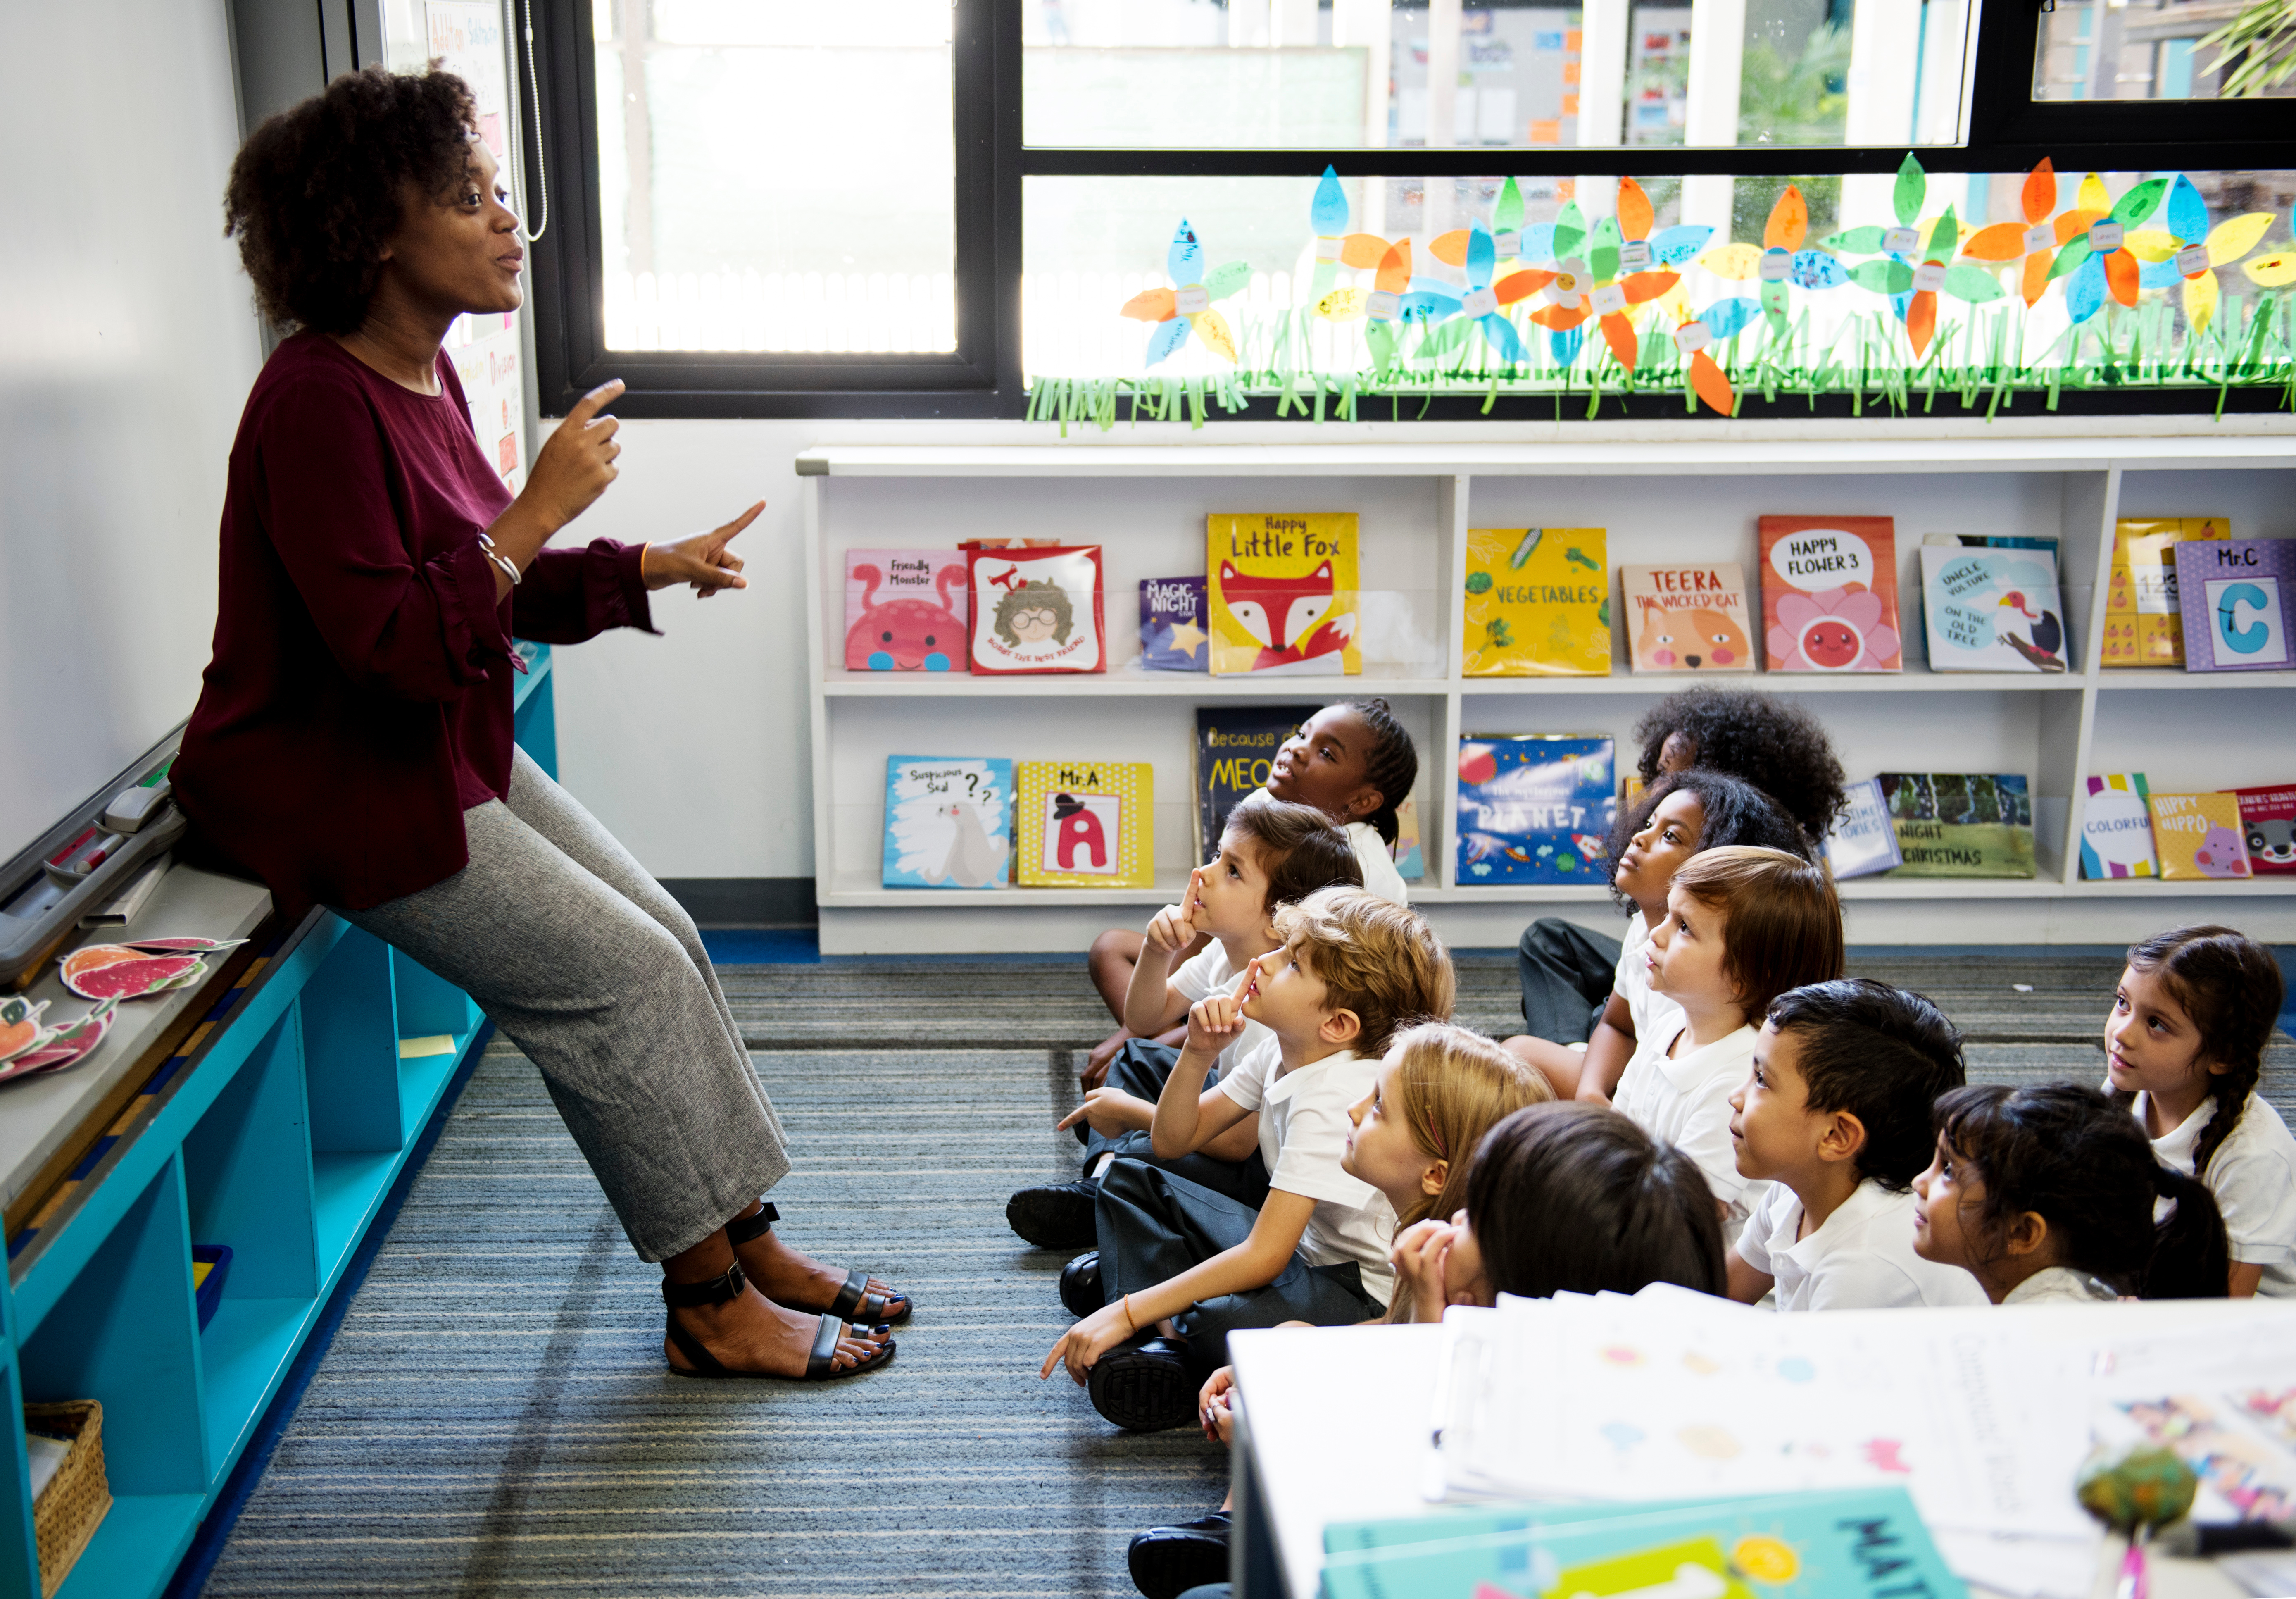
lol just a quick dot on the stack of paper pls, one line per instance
(1984, 1416)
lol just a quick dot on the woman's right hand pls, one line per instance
(575, 462)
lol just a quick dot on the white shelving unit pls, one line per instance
(1670, 492)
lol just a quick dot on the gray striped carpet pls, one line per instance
(493, 1417)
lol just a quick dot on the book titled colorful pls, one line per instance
(2199, 836)
(2116, 829)
(1282, 593)
(1687, 619)
(1830, 594)
(1085, 824)
(2235, 596)
(1538, 603)
(948, 822)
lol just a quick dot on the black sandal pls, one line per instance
(854, 1301)
(820, 1366)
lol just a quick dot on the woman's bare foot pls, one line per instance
(752, 1333)
(787, 1277)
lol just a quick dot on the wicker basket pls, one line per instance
(76, 1500)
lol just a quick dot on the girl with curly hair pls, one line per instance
(352, 745)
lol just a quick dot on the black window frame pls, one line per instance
(2009, 131)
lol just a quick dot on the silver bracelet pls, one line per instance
(487, 546)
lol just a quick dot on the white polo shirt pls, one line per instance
(2060, 1284)
(1206, 974)
(1652, 1012)
(1861, 1258)
(1686, 1102)
(1303, 1131)
(2253, 1177)
(1377, 863)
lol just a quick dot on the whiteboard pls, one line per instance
(127, 342)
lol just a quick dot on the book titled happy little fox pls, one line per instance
(1282, 593)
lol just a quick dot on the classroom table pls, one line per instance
(1335, 1428)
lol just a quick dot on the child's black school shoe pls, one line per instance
(1058, 1215)
(1166, 1562)
(1144, 1387)
(1081, 1289)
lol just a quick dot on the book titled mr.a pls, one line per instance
(1085, 824)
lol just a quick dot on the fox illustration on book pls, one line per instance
(1287, 615)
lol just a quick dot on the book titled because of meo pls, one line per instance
(1281, 592)
(1538, 603)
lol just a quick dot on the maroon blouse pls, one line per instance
(359, 696)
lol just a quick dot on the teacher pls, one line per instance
(352, 743)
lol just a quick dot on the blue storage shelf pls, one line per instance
(279, 1135)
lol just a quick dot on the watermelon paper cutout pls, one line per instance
(67, 1045)
(133, 978)
(20, 1025)
(182, 945)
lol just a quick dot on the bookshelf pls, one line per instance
(1666, 492)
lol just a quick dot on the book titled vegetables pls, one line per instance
(1830, 594)
(1283, 593)
(1538, 603)
(1085, 824)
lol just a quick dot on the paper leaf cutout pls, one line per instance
(2140, 202)
(2040, 194)
(1327, 213)
(2085, 288)
(1972, 284)
(1341, 304)
(1450, 248)
(1643, 286)
(1482, 255)
(2003, 242)
(1944, 238)
(2235, 236)
(1815, 269)
(1564, 344)
(2093, 195)
(2072, 259)
(2184, 213)
(1507, 211)
(2274, 271)
(1379, 337)
(2200, 300)
(1736, 261)
(1520, 285)
(1212, 328)
(1726, 318)
(1362, 250)
(1709, 383)
(1855, 241)
(1789, 221)
(2075, 225)
(2151, 244)
(1184, 263)
(1503, 337)
(1618, 334)
(1634, 215)
(1150, 304)
(1394, 268)
(1168, 337)
(1225, 280)
(2121, 276)
(1920, 321)
(1603, 250)
(1672, 246)
(1905, 196)
(182, 945)
(2036, 277)
(1885, 276)
(1537, 243)
(1570, 230)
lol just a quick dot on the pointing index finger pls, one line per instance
(595, 401)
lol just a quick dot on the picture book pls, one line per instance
(1036, 609)
(2267, 820)
(1084, 823)
(2234, 595)
(1863, 843)
(1863, 1542)
(2116, 830)
(1538, 603)
(1535, 807)
(2199, 836)
(1992, 610)
(1282, 593)
(1172, 636)
(948, 822)
(2144, 626)
(1687, 618)
(1410, 863)
(1830, 594)
(1957, 825)
(1235, 749)
(904, 610)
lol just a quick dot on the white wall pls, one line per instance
(127, 342)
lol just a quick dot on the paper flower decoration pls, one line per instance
(1382, 302)
(1833, 631)
(2034, 241)
(2185, 248)
(1437, 302)
(1618, 257)
(1783, 258)
(2098, 261)
(1327, 214)
(1724, 319)
(1189, 306)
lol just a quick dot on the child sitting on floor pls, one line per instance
(1439, 1090)
(1354, 762)
(1272, 853)
(1774, 744)
(1835, 1114)
(1742, 926)
(1566, 1198)
(1683, 813)
(1179, 1266)
(2048, 1192)
(2184, 1047)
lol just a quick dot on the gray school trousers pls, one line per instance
(597, 974)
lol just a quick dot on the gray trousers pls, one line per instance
(597, 974)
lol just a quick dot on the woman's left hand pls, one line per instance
(702, 560)
(1081, 1347)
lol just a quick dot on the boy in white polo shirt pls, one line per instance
(1837, 1114)
(1179, 1266)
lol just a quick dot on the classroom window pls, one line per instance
(2141, 50)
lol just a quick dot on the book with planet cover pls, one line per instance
(1084, 823)
(948, 822)
(2199, 836)
(1282, 595)
(1687, 618)
(1172, 636)
(2144, 625)
(1538, 603)
(1992, 610)
(2235, 596)
(1535, 807)
(1961, 824)
(2116, 829)
(1830, 594)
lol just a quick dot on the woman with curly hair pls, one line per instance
(352, 744)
